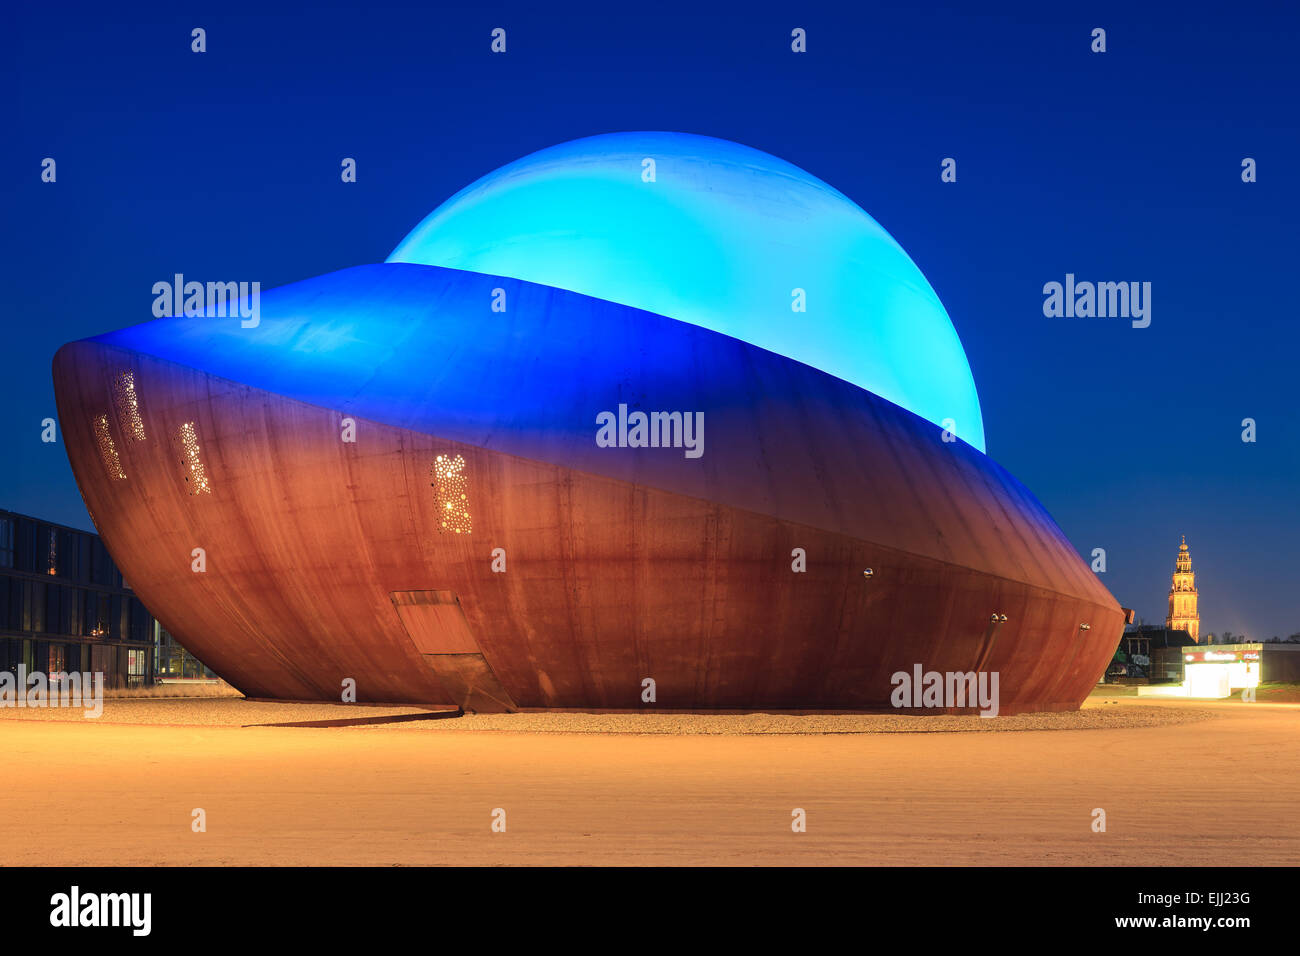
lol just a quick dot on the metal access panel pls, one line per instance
(437, 627)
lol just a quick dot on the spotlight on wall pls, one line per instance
(868, 574)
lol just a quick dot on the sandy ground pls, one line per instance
(1182, 783)
(1092, 718)
(237, 712)
(202, 712)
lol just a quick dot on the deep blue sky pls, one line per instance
(1119, 166)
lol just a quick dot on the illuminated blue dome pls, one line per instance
(720, 238)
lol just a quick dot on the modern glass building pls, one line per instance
(64, 606)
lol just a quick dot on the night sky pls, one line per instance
(1122, 166)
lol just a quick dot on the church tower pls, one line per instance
(1183, 615)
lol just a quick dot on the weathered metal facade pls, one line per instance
(327, 559)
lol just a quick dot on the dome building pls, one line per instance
(645, 420)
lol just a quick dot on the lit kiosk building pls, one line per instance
(1183, 615)
(1221, 669)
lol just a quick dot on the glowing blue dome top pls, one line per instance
(720, 236)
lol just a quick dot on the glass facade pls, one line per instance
(6, 542)
(175, 662)
(64, 606)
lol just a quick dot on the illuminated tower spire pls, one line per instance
(1183, 615)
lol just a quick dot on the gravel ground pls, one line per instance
(1094, 717)
(205, 712)
(236, 712)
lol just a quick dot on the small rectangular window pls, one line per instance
(51, 551)
(6, 542)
